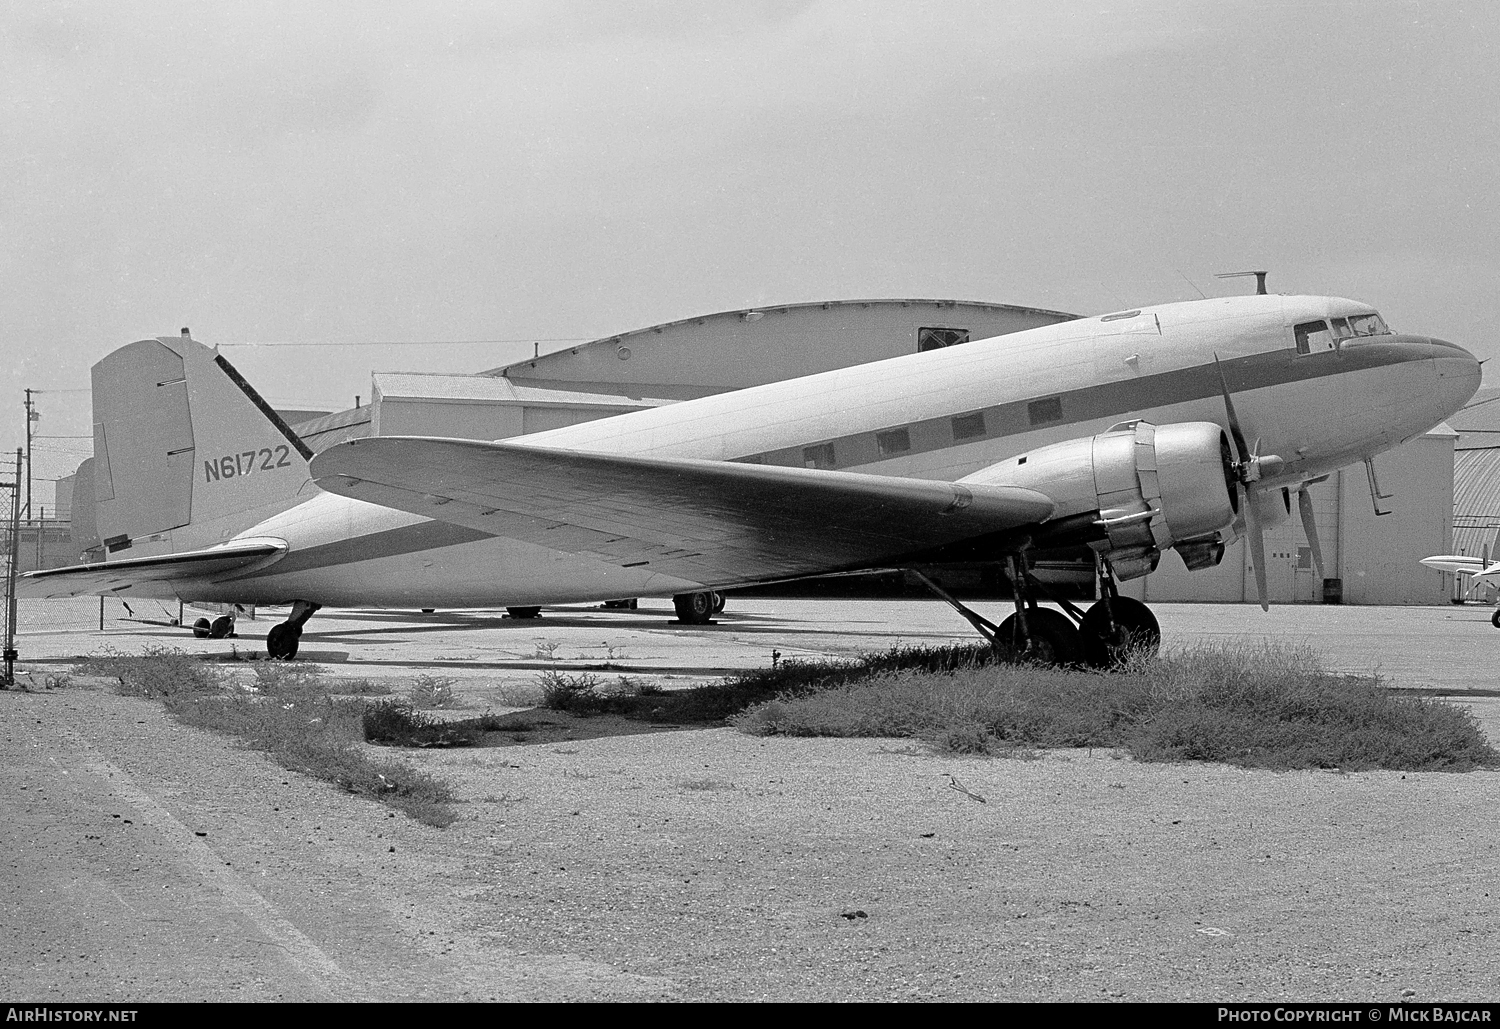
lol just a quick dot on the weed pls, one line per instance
(1254, 705)
(391, 723)
(429, 692)
(547, 651)
(289, 715)
(159, 671)
(576, 694)
(288, 679)
(361, 688)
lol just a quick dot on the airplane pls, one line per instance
(1182, 426)
(1480, 571)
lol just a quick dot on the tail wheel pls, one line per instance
(1495, 618)
(220, 627)
(694, 608)
(1136, 632)
(1053, 640)
(282, 640)
(201, 629)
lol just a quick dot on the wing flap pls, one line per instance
(165, 575)
(713, 522)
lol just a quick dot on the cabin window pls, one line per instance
(1369, 325)
(1043, 411)
(968, 426)
(820, 456)
(933, 338)
(896, 441)
(1313, 337)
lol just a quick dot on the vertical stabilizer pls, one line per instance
(186, 453)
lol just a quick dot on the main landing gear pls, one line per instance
(282, 640)
(220, 628)
(698, 608)
(1110, 632)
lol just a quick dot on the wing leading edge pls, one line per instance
(168, 575)
(710, 522)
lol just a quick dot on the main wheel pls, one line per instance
(1053, 640)
(1136, 633)
(694, 608)
(201, 629)
(524, 612)
(718, 602)
(220, 627)
(1495, 618)
(282, 640)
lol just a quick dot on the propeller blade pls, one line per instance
(1242, 453)
(1310, 529)
(1257, 544)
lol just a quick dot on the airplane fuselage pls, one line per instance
(1318, 402)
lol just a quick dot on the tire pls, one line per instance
(1136, 633)
(220, 627)
(282, 641)
(1495, 618)
(201, 629)
(718, 602)
(1053, 641)
(428, 610)
(694, 608)
(524, 612)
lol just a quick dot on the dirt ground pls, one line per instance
(617, 861)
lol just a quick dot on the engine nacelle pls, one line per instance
(1137, 489)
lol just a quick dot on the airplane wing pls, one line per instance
(167, 575)
(709, 522)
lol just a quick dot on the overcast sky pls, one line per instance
(354, 172)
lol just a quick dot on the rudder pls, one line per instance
(186, 453)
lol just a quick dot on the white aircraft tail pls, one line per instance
(186, 453)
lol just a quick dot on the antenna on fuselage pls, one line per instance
(1260, 279)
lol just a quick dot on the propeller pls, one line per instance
(1310, 528)
(1249, 466)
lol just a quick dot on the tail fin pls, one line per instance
(186, 453)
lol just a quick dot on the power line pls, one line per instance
(412, 342)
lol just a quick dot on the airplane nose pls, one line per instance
(1458, 372)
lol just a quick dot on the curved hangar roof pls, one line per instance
(714, 353)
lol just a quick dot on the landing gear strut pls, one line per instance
(282, 640)
(1111, 631)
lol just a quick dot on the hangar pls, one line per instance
(1369, 558)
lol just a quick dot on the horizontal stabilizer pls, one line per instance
(168, 575)
(710, 522)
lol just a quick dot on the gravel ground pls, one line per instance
(618, 861)
(150, 861)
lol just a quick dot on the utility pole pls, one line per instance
(32, 417)
(10, 576)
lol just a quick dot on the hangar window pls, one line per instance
(968, 426)
(1043, 411)
(933, 338)
(820, 456)
(897, 441)
(1313, 337)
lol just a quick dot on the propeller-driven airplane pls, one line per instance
(1480, 571)
(1183, 426)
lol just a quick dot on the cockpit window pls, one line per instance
(1369, 325)
(1341, 329)
(1313, 337)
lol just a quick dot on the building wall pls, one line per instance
(400, 416)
